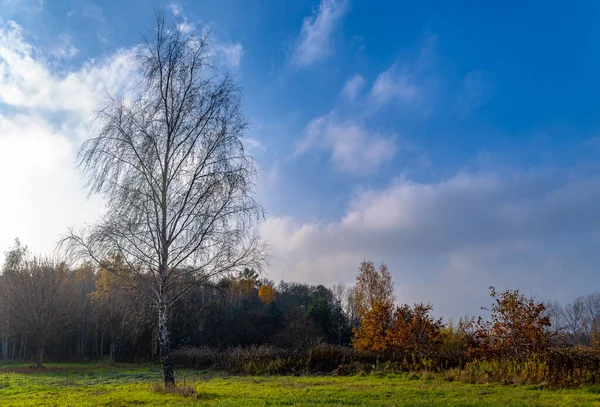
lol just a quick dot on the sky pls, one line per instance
(458, 142)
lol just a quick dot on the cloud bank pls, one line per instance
(44, 116)
(447, 241)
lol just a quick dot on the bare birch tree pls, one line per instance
(171, 165)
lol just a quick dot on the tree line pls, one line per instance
(51, 311)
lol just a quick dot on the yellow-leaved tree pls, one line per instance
(267, 293)
(374, 298)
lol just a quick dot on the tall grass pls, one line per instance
(323, 358)
(556, 367)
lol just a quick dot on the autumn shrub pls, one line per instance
(374, 331)
(415, 331)
(517, 328)
(408, 336)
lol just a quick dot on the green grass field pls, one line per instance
(95, 385)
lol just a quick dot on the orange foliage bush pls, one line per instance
(375, 327)
(383, 328)
(415, 331)
(405, 329)
(517, 328)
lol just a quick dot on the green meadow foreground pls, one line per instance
(93, 385)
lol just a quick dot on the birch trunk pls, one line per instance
(165, 346)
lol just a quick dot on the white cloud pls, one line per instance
(395, 84)
(409, 82)
(252, 143)
(43, 118)
(27, 81)
(231, 54)
(353, 87)
(354, 149)
(183, 24)
(186, 27)
(43, 194)
(446, 242)
(314, 42)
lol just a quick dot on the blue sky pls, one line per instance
(457, 142)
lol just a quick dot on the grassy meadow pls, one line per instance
(97, 385)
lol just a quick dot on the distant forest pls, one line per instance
(53, 312)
